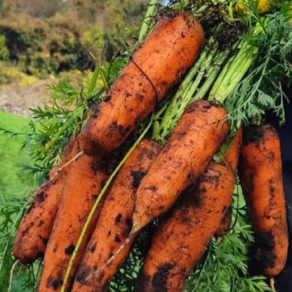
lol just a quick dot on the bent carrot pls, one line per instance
(85, 180)
(115, 221)
(230, 161)
(36, 225)
(185, 156)
(186, 230)
(172, 48)
(260, 173)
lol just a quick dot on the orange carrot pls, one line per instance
(36, 226)
(225, 224)
(186, 230)
(231, 157)
(114, 223)
(172, 48)
(260, 173)
(84, 183)
(230, 161)
(197, 137)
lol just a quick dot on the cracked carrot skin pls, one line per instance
(185, 231)
(170, 50)
(114, 223)
(260, 172)
(36, 225)
(230, 161)
(197, 137)
(86, 178)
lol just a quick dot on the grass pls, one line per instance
(14, 182)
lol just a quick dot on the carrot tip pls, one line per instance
(272, 284)
(218, 241)
(11, 275)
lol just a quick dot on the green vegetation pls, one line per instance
(39, 41)
(14, 182)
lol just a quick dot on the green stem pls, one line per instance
(198, 12)
(219, 80)
(146, 22)
(92, 82)
(170, 119)
(57, 136)
(99, 70)
(242, 71)
(176, 102)
(211, 78)
(234, 75)
(97, 202)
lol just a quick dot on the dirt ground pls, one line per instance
(19, 99)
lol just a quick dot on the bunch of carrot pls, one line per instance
(84, 219)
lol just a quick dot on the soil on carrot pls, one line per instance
(265, 246)
(254, 134)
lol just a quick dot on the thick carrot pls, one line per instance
(230, 161)
(197, 137)
(36, 226)
(260, 173)
(84, 183)
(115, 221)
(172, 48)
(186, 230)
(191, 147)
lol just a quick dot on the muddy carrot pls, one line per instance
(230, 160)
(85, 180)
(197, 137)
(36, 225)
(185, 231)
(260, 171)
(172, 48)
(115, 221)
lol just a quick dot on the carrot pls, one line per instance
(172, 48)
(260, 173)
(36, 226)
(85, 180)
(225, 224)
(230, 161)
(114, 223)
(231, 157)
(187, 153)
(186, 230)
(197, 137)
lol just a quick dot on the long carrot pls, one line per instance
(186, 230)
(260, 173)
(189, 150)
(197, 137)
(115, 220)
(230, 161)
(85, 180)
(172, 48)
(36, 226)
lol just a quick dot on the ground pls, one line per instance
(19, 99)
